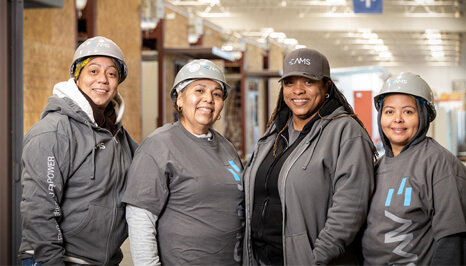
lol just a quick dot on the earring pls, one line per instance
(327, 96)
(219, 116)
(179, 108)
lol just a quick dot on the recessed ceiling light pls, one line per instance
(438, 54)
(436, 48)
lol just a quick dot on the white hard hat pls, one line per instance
(99, 46)
(407, 83)
(199, 69)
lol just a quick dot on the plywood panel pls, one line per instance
(276, 56)
(254, 57)
(170, 73)
(176, 29)
(49, 45)
(212, 37)
(119, 20)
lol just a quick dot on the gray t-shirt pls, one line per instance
(419, 198)
(195, 187)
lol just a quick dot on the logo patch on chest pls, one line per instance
(408, 190)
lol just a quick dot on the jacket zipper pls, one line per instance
(117, 150)
(308, 142)
(248, 214)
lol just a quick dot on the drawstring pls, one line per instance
(93, 151)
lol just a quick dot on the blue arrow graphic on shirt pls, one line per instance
(232, 163)
(407, 201)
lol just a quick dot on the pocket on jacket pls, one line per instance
(88, 240)
(298, 250)
(83, 224)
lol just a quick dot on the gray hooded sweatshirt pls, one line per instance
(324, 186)
(74, 175)
(417, 214)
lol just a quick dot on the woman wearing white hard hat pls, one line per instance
(185, 191)
(308, 184)
(75, 163)
(418, 211)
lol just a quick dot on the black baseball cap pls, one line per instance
(307, 63)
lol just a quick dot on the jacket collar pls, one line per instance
(331, 109)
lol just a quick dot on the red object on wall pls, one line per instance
(363, 108)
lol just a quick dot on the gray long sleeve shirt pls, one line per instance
(194, 187)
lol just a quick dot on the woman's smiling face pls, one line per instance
(399, 120)
(201, 102)
(99, 80)
(304, 97)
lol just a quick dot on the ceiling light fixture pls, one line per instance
(215, 2)
(369, 35)
(227, 48)
(433, 35)
(290, 41)
(376, 41)
(278, 35)
(438, 54)
(436, 48)
(435, 41)
(385, 55)
(336, 2)
(380, 48)
(80, 5)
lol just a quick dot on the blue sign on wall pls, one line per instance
(368, 6)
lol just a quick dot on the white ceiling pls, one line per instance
(332, 27)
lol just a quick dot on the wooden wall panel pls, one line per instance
(119, 20)
(49, 44)
(254, 57)
(212, 37)
(220, 124)
(170, 74)
(276, 56)
(176, 29)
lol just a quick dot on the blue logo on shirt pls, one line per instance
(235, 171)
(407, 201)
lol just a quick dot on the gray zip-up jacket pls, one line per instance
(74, 175)
(324, 186)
